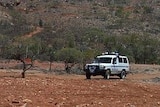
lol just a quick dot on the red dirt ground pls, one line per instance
(51, 90)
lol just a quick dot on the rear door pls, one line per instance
(120, 64)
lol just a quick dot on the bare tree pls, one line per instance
(27, 63)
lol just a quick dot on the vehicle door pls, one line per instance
(115, 65)
(121, 64)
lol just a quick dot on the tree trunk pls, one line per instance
(23, 74)
(25, 67)
(50, 65)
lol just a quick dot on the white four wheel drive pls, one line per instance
(108, 65)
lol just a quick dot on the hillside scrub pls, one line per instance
(85, 28)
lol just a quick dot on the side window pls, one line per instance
(125, 60)
(114, 61)
(120, 60)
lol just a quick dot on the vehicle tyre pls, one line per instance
(123, 75)
(107, 74)
(88, 75)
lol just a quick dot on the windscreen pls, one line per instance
(103, 60)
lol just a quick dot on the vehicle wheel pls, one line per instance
(123, 75)
(107, 74)
(88, 75)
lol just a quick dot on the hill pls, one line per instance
(113, 16)
(81, 24)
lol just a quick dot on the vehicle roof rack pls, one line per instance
(112, 53)
(105, 53)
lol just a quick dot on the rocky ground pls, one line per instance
(141, 88)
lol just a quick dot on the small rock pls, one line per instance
(24, 105)
(63, 98)
(83, 105)
(145, 101)
(130, 105)
(151, 96)
(103, 86)
(100, 103)
(55, 103)
(15, 101)
(115, 84)
(111, 98)
(27, 101)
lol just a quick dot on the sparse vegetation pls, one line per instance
(84, 27)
